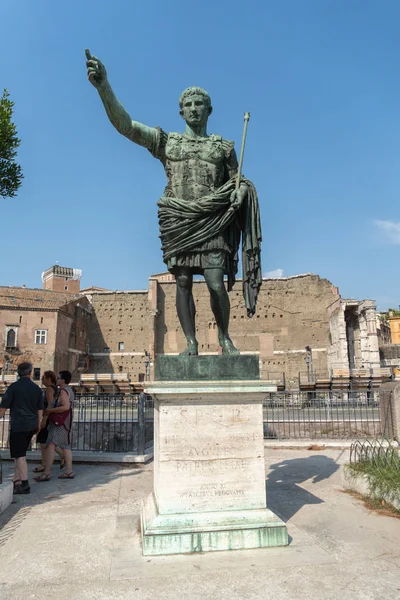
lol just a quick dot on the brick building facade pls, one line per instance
(46, 328)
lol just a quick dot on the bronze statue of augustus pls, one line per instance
(205, 210)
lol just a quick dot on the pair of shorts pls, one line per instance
(19, 442)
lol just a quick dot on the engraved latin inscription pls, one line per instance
(220, 466)
(210, 446)
(233, 439)
(223, 416)
(212, 490)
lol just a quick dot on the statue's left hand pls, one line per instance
(237, 197)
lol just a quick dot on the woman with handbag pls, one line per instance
(50, 398)
(59, 428)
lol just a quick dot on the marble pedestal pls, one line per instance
(209, 473)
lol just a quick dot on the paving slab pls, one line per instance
(80, 539)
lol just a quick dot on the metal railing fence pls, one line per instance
(125, 422)
(381, 453)
(326, 414)
(106, 423)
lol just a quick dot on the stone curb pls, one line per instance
(355, 483)
(6, 495)
(94, 457)
(305, 444)
(359, 483)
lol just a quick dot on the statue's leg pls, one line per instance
(185, 307)
(221, 307)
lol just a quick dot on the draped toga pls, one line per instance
(198, 226)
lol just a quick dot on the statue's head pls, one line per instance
(195, 106)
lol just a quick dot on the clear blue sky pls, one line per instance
(321, 79)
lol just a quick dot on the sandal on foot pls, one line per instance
(38, 469)
(66, 476)
(42, 477)
(62, 464)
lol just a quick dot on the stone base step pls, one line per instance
(186, 533)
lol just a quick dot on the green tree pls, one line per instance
(10, 172)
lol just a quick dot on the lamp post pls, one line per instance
(147, 364)
(309, 363)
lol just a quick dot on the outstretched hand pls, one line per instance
(96, 71)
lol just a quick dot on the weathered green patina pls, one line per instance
(205, 210)
(207, 368)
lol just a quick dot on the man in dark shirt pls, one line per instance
(25, 401)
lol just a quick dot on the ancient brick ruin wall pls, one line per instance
(390, 351)
(72, 337)
(292, 313)
(78, 336)
(390, 355)
(120, 317)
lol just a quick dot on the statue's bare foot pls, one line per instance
(190, 350)
(227, 346)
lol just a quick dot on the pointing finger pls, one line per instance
(88, 55)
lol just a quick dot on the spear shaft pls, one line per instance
(239, 173)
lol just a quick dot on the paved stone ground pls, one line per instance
(79, 540)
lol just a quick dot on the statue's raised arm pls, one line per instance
(207, 206)
(134, 131)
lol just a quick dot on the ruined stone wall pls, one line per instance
(369, 345)
(390, 355)
(354, 337)
(81, 313)
(120, 317)
(72, 337)
(61, 358)
(292, 313)
(338, 355)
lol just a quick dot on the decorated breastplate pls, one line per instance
(194, 166)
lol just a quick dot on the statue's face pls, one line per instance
(195, 110)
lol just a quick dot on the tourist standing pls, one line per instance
(25, 401)
(49, 397)
(59, 428)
